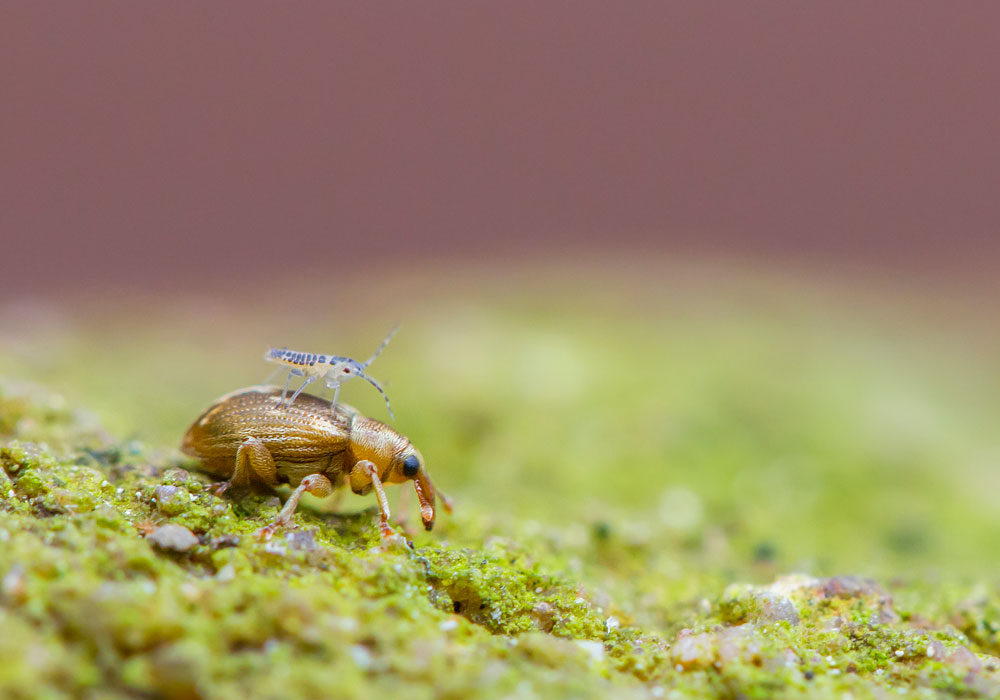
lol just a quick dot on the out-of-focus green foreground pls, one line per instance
(714, 486)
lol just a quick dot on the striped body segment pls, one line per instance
(294, 358)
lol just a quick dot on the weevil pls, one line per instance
(335, 369)
(252, 440)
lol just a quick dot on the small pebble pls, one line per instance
(13, 586)
(693, 651)
(228, 539)
(899, 653)
(190, 591)
(171, 500)
(302, 540)
(275, 548)
(174, 538)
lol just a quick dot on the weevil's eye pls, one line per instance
(411, 465)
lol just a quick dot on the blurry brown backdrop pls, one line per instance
(166, 143)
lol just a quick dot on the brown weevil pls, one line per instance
(249, 437)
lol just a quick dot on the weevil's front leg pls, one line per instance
(364, 473)
(254, 466)
(316, 484)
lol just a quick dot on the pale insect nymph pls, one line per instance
(334, 369)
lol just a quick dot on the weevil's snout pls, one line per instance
(425, 494)
(409, 464)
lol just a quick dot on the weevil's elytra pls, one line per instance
(248, 437)
(335, 369)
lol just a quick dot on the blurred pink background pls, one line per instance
(151, 144)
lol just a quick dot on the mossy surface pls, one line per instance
(634, 493)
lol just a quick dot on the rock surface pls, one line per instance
(174, 538)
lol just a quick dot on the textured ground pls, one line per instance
(713, 486)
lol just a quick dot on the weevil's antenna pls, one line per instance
(379, 387)
(381, 348)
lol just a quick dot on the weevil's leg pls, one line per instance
(298, 391)
(219, 488)
(254, 465)
(363, 473)
(316, 484)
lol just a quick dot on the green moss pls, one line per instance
(618, 533)
(324, 603)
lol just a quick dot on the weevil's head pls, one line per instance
(396, 459)
(408, 464)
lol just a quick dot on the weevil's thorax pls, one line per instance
(376, 442)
